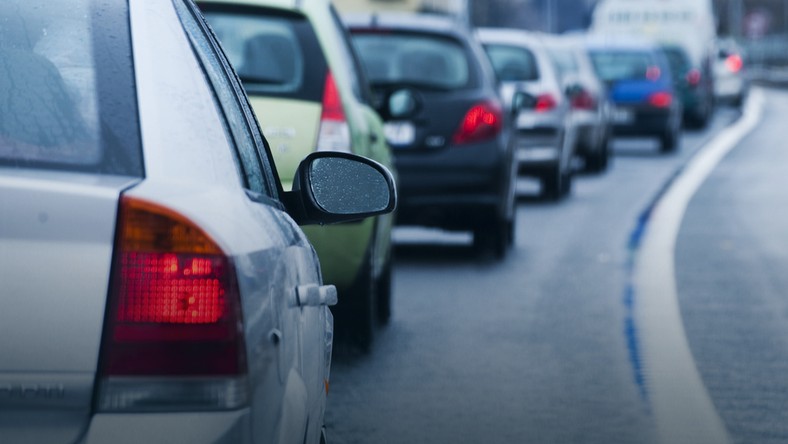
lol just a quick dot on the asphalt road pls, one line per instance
(542, 347)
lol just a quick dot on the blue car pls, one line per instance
(641, 89)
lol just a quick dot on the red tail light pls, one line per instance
(583, 100)
(545, 103)
(482, 122)
(174, 316)
(334, 132)
(660, 99)
(693, 77)
(734, 63)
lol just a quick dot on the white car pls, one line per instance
(730, 76)
(154, 284)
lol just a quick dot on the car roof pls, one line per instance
(282, 4)
(516, 37)
(422, 22)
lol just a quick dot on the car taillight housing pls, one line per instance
(660, 99)
(173, 337)
(583, 100)
(334, 133)
(734, 63)
(483, 121)
(545, 103)
(693, 77)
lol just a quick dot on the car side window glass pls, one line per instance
(259, 176)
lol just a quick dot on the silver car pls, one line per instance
(532, 85)
(154, 284)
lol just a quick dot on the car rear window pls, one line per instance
(421, 60)
(513, 63)
(275, 53)
(613, 65)
(677, 59)
(67, 99)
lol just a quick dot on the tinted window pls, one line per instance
(418, 59)
(274, 53)
(677, 59)
(67, 97)
(513, 63)
(623, 65)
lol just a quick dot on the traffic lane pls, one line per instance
(731, 262)
(532, 349)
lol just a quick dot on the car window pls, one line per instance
(419, 59)
(512, 63)
(258, 171)
(612, 65)
(677, 59)
(67, 87)
(276, 53)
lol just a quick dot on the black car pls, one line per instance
(445, 122)
(693, 85)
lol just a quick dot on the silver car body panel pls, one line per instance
(51, 325)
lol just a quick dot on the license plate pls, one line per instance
(623, 115)
(400, 133)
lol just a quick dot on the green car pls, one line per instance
(308, 92)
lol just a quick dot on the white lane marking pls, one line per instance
(682, 407)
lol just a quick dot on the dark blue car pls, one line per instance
(641, 89)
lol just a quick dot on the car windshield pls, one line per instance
(417, 59)
(513, 63)
(274, 54)
(59, 66)
(613, 65)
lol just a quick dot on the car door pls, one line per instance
(278, 311)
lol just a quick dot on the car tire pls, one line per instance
(669, 141)
(362, 315)
(552, 184)
(492, 237)
(383, 288)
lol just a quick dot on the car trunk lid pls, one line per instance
(56, 238)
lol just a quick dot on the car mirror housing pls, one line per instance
(334, 187)
(522, 101)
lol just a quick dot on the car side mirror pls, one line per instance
(573, 90)
(333, 187)
(402, 104)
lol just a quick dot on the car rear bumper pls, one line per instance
(643, 121)
(448, 187)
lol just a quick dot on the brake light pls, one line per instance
(583, 100)
(693, 77)
(545, 103)
(334, 132)
(734, 63)
(173, 337)
(661, 99)
(482, 122)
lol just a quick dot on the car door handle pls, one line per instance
(313, 295)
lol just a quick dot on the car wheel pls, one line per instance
(669, 141)
(552, 185)
(599, 160)
(383, 288)
(566, 183)
(362, 315)
(492, 237)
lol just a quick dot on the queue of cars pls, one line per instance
(190, 258)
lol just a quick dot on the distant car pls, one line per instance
(694, 85)
(532, 84)
(297, 64)
(588, 98)
(445, 122)
(155, 285)
(730, 74)
(641, 88)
